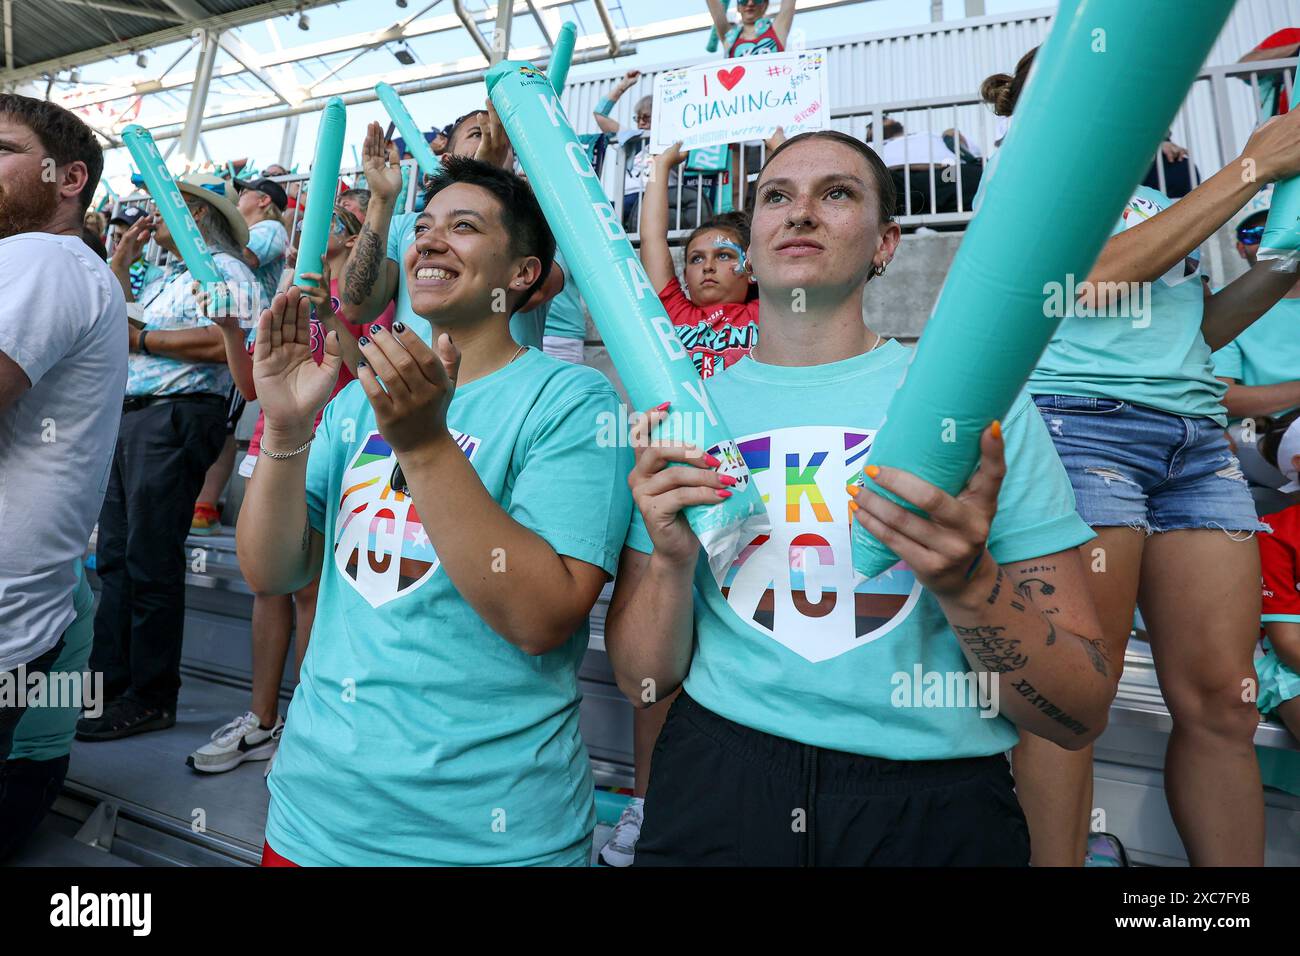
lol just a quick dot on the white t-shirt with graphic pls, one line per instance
(794, 642)
(63, 321)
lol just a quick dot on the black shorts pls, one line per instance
(235, 405)
(722, 794)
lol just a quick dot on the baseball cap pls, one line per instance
(127, 216)
(267, 187)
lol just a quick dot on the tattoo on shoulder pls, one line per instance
(364, 267)
(1048, 709)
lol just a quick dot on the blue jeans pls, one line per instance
(1146, 469)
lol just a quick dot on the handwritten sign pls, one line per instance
(740, 100)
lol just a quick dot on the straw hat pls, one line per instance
(216, 191)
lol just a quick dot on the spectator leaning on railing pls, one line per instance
(172, 428)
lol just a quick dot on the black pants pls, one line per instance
(163, 453)
(722, 794)
(28, 789)
(11, 714)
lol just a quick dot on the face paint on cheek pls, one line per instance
(740, 253)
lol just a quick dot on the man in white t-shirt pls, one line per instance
(63, 342)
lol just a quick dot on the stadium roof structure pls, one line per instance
(47, 40)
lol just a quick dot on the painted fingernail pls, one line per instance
(362, 363)
(872, 470)
(853, 506)
(399, 327)
(727, 480)
(363, 341)
(723, 493)
(663, 407)
(853, 489)
(711, 461)
(997, 429)
(375, 328)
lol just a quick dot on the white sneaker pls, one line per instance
(244, 738)
(620, 848)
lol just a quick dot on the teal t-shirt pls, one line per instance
(567, 318)
(795, 642)
(526, 327)
(417, 734)
(1268, 352)
(1158, 359)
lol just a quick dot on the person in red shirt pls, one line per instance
(716, 317)
(255, 734)
(1279, 553)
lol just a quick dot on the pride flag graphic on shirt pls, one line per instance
(380, 546)
(797, 585)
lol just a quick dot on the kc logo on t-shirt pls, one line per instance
(380, 546)
(797, 585)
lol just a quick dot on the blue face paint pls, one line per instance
(740, 253)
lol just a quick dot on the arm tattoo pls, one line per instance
(996, 653)
(997, 587)
(363, 269)
(1097, 654)
(306, 535)
(1037, 700)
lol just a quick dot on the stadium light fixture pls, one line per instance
(404, 55)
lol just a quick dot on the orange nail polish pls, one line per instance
(853, 506)
(852, 489)
(872, 470)
(997, 429)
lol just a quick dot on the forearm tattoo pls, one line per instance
(306, 535)
(363, 269)
(1046, 707)
(1097, 654)
(997, 653)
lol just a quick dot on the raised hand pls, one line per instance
(494, 147)
(661, 491)
(381, 164)
(132, 243)
(291, 387)
(417, 385)
(945, 546)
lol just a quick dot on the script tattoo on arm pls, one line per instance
(997, 653)
(1046, 707)
(363, 269)
(997, 587)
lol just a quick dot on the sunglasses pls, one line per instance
(1251, 235)
(642, 116)
(750, 3)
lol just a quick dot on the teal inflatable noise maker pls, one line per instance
(562, 56)
(411, 135)
(1281, 240)
(322, 189)
(1107, 81)
(171, 205)
(646, 351)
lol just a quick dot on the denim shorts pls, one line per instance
(1146, 469)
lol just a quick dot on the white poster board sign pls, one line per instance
(740, 100)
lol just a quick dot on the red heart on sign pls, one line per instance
(729, 78)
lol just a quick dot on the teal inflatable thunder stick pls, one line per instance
(171, 206)
(322, 188)
(415, 142)
(1106, 84)
(1281, 241)
(712, 45)
(562, 56)
(647, 353)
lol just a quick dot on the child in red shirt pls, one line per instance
(718, 323)
(1279, 554)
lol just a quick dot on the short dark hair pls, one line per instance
(885, 189)
(461, 121)
(62, 134)
(520, 212)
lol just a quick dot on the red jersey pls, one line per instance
(1279, 558)
(717, 337)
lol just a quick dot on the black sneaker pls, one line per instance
(124, 717)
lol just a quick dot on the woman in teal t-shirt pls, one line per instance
(827, 719)
(1129, 396)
